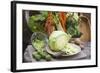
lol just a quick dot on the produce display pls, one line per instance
(62, 31)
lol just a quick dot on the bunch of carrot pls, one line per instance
(49, 25)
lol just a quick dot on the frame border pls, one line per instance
(13, 35)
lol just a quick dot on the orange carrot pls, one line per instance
(62, 17)
(49, 27)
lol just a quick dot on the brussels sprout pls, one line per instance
(36, 56)
(48, 57)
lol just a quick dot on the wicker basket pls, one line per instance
(85, 28)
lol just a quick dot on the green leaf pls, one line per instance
(36, 22)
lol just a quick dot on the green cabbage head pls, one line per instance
(58, 40)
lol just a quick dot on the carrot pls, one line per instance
(62, 17)
(49, 27)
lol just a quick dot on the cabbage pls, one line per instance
(70, 49)
(58, 40)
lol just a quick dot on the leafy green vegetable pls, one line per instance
(36, 22)
(69, 49)
(38, 44)
(44, 13)
(72, 24)
(58, 39)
